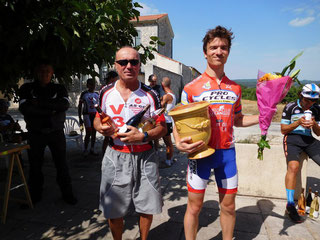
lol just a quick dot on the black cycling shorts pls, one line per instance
(295, 144)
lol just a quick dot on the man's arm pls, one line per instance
(28, 106)
(287, 128)
(60, 103)
(80, 111)
(167, 98)
(245, 120)
(134, 135)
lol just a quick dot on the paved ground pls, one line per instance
(257, 218)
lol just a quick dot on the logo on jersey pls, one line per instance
(221, 111)
(228, 86)
(297, 111)
(219, 96)
(137, 100)
(206, 85)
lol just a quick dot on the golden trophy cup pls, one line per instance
(192, 120)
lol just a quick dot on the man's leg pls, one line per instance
(36, 157)
(169, 149)
(116, 226)
(290, 182)
(57, 146)
(227, 214)
(87, 139)
(191, 217)
(290, 179)
(144, 225)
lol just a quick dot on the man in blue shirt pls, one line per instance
(298, 137)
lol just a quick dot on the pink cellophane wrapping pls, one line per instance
(269, 94)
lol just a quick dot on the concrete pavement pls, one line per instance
(257, 218)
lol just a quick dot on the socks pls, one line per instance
(290, 196)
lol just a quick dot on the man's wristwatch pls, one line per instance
(146, 135)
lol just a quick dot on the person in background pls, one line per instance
(298, 138)
(44, 105)
(153, 80)
(8, 126)
(224, 97)
(129, 168)
(153, 83)
(87, 100)
(112, 76)
(168, 101)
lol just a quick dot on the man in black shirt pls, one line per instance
(44, 106)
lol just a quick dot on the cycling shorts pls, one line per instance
(295, 144)
(223, 161)
(88, 120)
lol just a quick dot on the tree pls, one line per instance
(73, 34)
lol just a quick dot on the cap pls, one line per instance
(311, 91)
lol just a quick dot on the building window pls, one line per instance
(137, 39)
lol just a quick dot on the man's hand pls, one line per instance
(307, 123)
(186, 145)
(104, 129)
(132, 136)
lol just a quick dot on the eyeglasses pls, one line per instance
(124, 62)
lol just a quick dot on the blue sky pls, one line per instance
(268, 33)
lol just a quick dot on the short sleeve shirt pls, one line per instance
(293, 111)
(89, 99)
(225, 103)
(112, 104)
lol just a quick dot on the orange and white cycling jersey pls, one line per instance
(112, 103)
(225, 103)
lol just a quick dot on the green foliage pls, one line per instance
(248, 93)
(73, 34)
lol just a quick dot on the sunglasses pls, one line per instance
(124, 62)
(312, 100)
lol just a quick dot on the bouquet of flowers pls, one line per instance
(271, 89)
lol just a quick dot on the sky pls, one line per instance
(268, 33)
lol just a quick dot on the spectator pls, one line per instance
(87, 100)
(168, 101)
(44, 105)
(8, 126)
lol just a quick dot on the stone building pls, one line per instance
(163, 65)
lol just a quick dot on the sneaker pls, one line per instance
(293, 214)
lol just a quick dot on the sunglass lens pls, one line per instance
(125, 62)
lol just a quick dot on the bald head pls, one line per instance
(166, 82)
(127, 49)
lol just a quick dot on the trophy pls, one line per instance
(192, 120)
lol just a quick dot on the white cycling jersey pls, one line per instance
(112, 103)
